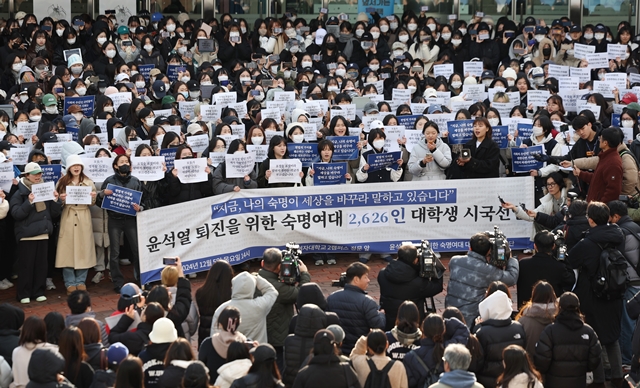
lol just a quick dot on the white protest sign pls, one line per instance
(270, 134)
(53, 150)
(403, 96)
(628, 134)
(240, 108)
(597, 60)
(348, 111)
(418, 107)
(558, 71)
(191, 170)
(224, 99)
(27, 130)
(102, 124)
(102, 136)
(91, 149)
(393, 133)
(187, 109)
(210, 112)
(134, 144)
(474, 92)
(581, 50)
(584, 105)
(217, 158)
(311, 107)
(603, 87)
(116, 131)
(43, 192)
(289, 97)
(444, 70)
(237, 130)
(504, 108)
(618, 108)
(634, 78)
(65, 137)
(147, 168)
(177, 129)
(355, 131)
(457, 105)
(616, 51)
(20, 154)
(568, 83)
(239, 165)
(78, 195)
(259, 150)
(492, 91)
(583, 73)
(6, 176)
(271, 113)
(570, 99)
(378, 84)
(198, 143)
(446, 96)
(310, 132)
(159, 113)
(473, 69)
(120, 98)
(538, 97)
(98, 169)
(285, 170)
(413, 137)
(619, 80)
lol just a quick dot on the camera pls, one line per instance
(560, 250)
(630, 201)
(289, 268)
(429, 266)
(498, 248)
(341, 281)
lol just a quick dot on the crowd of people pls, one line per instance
(153, 83)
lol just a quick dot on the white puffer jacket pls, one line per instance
(433, 170)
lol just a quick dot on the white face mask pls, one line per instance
(375, 34)
(403, 38)
(306, 64)
(243, 29)
(167, 87)
(599, 36)
(148, 47)
(60, 32)
(341, 72)
(333, 89)
(570, 52)
(35, 119)
(52, 110)
(3, 134)
(222, 78)
(259, 97)
(194, 94)
(6, 126)
(378, 144)
(456, 42)
(446, 36)
(81, 91)
(140, 84)
(298, 138)
(539, 38)
(397, 53)
(16, 67)
(217, 67)
(384, 28)
(374, 67)
(257, 140)
(205, 83)
(287, 74)
(538, 131)
(511, 82)
(234, 34)
(101, 41)
(463, 31)
(412, 27)
(487, 82)
(78, 117)
(185, 79)
(412, 89)
(493, 122)
(108, 109)
(290, 32)
(588, 36)
(150, 121)
(393, 25)
(359, 33)
(182, 50)
(456, 84)
(294, 49)
(274, 69)
(627, 123)
(110, 53)
(245, 79)
(432, 27)
(171, 27)
(24, 98)
(71, 41)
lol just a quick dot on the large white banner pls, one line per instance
(373, 218)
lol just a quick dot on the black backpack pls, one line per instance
(611, 278)
(432, 375)
(378, 378)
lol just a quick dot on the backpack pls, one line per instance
(611, 278)
(432, 375)
(378, 378)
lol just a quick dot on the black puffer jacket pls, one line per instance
(566, 351)
(398, 282)
(172, 376)
(312, 293)
(28, 221)
(152, 194)
(44, 366)
(298, 345)
(11, 319)
(133, 340)
(326, 370)
(358, 313)
(153, 363)
(575, 230)
(495, 335)
(178, 192)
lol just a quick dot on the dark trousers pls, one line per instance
(280, 358)
(32, 268)
(128, 227)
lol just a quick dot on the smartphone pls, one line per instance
(566, 24)
(324, 11)
(169, 261)
(321, 81)
(255, 92)
(266, 83)
(78, 22)
(164, 34)
(473, 32)
(305, 29)
(46, 28)
(58, 90)
(317, 57)
(186, 42)
(453, 17)
(484, 36)
(181, 69)
(274, 58)
(344, 17)
(529, 29)
(480, 14)
(401, 57)
(519, 51)
(331, 66)
(252, 65)
(416, 69)
(425, 8)
(188, 54)
(135, 299)
(523, 206)
(501, 200)
(509, 34)
(287, 65)
(287, 14)
(466, 153)
(630, 380)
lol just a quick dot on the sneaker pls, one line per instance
(319, 262)
(8, 282)
(14, 276)
(50, 285)
(81, 287)
(331, 261)
(4, 285)
(70, 289)
(124, 262)
(97, 277)
(192, 275)
(25, 300)
(41, 298)
(527, 251)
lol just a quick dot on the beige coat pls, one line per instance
(397, 373)
(100, 223)
(76, 247)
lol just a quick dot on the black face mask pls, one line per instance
(331, 45)
(546, 51)
(42, 163)
(187, 157)
(125, 169)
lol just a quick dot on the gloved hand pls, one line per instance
(540, 157)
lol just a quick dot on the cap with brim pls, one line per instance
(154, 72)
(75, 108)
(32, 169)
(48, 100)
(262, 353)
(370, 107)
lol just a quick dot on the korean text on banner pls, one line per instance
(122, 200)
(329, 173)
(239, 226)
(523, 160)
(383, 160)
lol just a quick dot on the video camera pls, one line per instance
(289, 268)
(499, 246)
(631, 201)
(560, 250)
(340, 282)
(429, 266)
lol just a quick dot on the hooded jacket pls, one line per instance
(495, 333)
(538, 57)
(433, 170)
(534, 319)
(457, 379)
(153, 363)
(231, 371)
(253, 311)
(326, 370)
(134, 340)
(603, 315)
(172, 376)
(11, 319)
(23, 369)
(398, 282)
(44, 366)
(311, 293)
(69, 148)
(566, 351)
(297, 346)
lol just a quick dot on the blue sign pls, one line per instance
(306, 152)
(172, 72)
(522, 161)
(329, 173)
(615, 120)
(145, 70)
(345, 147)
(51, 172)
(500, 134)
(382, 7)
(409, 121)
(460, 131)
(169, 156)
(524, 131)
(122, 200)
(383, 160)
(74, 133)
(87, 104)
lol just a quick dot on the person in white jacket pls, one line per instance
(252, 310)
(32, 337)
(237, 365)
(430, 156)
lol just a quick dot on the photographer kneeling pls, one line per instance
(472, 274)
(412, 276)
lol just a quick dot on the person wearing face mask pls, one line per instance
(543, 51)
(146, 118)
(599, 35)
(120, 223)
(108, 62)
(346, 40)
(234, 47)
(482, 46)
(222, 184)
(178, 192)
(425, 48)
(430, 156)
(365, 51)
(50, 105)
(150, 55)
(95, 45)
(459, 52)
(76, 66)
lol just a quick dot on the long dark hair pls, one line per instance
(516, 361)
(542, 293)
(266, 371)
(34, 330)
(433, 328)
(130, 373)
(71, 347)
(180, 349)
(216, 289)
(408, 319)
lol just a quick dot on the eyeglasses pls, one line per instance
(551, 184)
